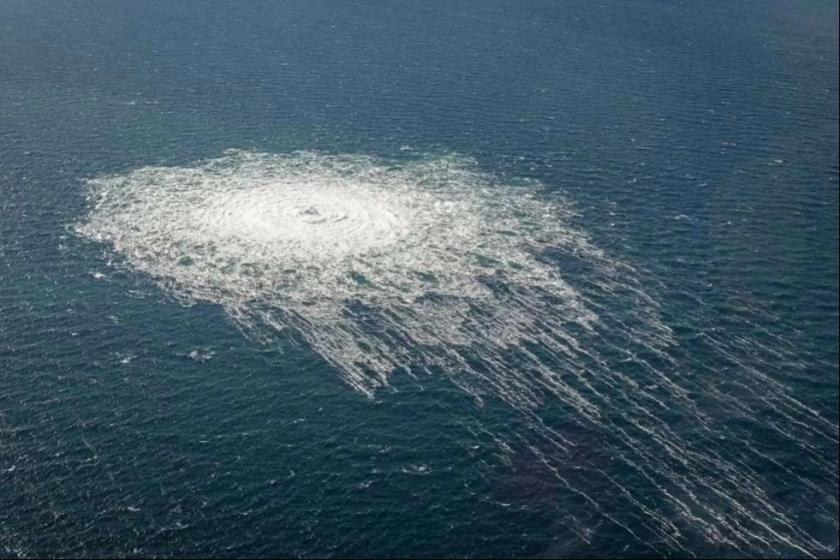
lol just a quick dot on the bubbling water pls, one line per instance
(431, 267)
(308, 241)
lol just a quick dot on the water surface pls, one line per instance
(415, 279)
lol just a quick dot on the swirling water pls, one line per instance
(480, 280)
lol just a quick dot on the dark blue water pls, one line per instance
(698, 145)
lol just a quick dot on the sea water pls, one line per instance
(402, 279)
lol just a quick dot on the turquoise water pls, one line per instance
(403, 279)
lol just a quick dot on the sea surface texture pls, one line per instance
(392, 279)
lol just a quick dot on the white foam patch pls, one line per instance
(431, 267)
(376, 265)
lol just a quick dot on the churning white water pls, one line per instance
(431, 267)
(378, 266)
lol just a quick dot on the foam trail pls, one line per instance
(433, 267)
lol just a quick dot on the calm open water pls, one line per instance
(661, 380)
